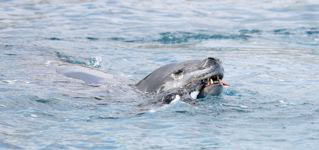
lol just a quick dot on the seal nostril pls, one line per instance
(209, 62)
(211, 58)
(220, 77)
(214, 60)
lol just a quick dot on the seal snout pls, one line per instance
(213, 82)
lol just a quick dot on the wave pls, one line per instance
(301, 35)
(94, 62)
(184, 37)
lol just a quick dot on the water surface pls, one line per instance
(269, 51)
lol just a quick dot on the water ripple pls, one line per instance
(184, 37)
(94, 62)
(269, 50)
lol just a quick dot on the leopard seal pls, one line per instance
(186, 80)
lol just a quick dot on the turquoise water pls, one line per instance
(270, 52)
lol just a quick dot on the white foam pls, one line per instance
(177, 98)
(9, 81)
(194, 94)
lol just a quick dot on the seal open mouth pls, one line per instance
(212, 85)
(214, 80)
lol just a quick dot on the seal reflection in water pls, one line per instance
(186, 81)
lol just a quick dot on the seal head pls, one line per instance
(189, 80)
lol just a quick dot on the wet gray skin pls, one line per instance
(187, 80)
(88, 75)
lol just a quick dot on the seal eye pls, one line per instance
(178, 74)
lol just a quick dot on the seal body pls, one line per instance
(184, 81)
(88, 75)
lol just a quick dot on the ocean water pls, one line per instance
(269, 49)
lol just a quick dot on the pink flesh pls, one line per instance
(224, 83)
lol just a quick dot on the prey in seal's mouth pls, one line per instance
(214, 80)
(212, 85)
